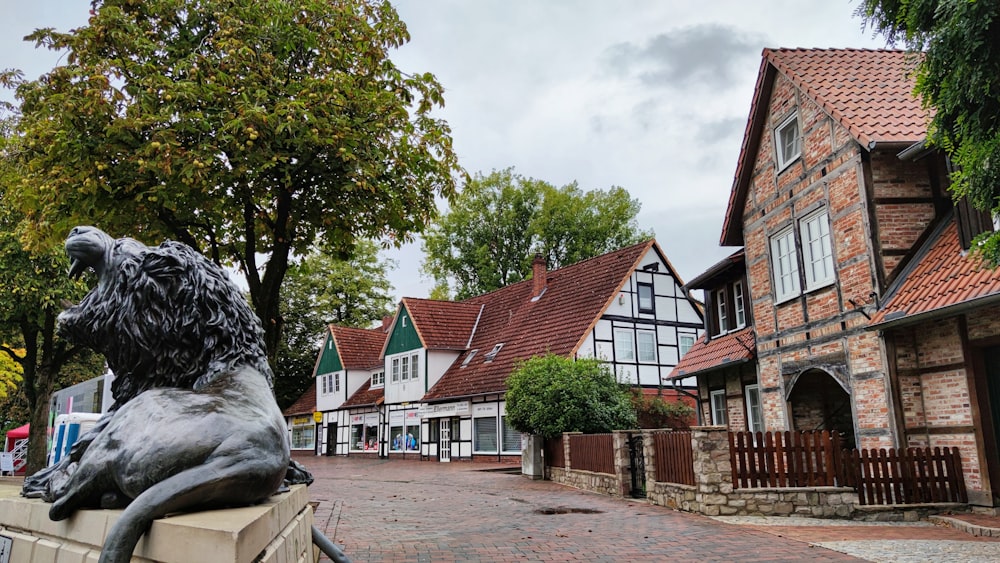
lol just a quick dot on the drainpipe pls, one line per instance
(697, 403)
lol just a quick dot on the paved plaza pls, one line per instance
(381, 510)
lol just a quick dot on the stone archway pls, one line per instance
(818, 401)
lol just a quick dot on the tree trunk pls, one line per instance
(38, 436)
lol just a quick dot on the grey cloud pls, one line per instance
(705, 54)
(714, 131)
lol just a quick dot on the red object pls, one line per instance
(18, 433)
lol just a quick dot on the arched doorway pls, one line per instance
(818, 401)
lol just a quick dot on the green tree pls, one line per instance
(32, 284)
(249, 129)
(958, 76)
(488, 237)
(319, 290)
(550, 395)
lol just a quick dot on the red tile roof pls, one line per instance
(443, 325)
(574, 299)
(705, 355)
(358, 348)
(941, 280)
(869, 92)
(305, 404)
(365, 396)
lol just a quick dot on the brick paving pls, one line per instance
(406, 511)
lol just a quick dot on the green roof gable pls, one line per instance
(329, 361)
(404, 335)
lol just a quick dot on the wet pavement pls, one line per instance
(380, 510)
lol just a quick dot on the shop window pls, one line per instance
(397, 440)
(485, 439)
(411, 441)
(303, 437)
(511, 437)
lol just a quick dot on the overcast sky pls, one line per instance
(649, 95)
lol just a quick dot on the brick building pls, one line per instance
(868, 316)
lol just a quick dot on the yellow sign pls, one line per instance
(318, 416)
(300, 421)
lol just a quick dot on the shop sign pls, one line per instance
(457, 408)
(318, 416)
(301, 421)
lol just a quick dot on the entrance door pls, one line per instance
(331, 439)
(444, 440)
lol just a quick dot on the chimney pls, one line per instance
(538, 276)
(386, 321)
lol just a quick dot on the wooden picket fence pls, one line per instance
(592, 452)
(908, 476)
(786, 459)
(674, 457)
(553, 452)
(817, 459)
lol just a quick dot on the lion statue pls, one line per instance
(194, 423)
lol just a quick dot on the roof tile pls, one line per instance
(443, 325)
(705, 355)
(943, 276)
(359, 348)
(365, 396)
(305, 404)
(574, 298)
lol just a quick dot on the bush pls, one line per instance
(655, 412)
(550, 395)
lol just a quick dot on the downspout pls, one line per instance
(697, 402)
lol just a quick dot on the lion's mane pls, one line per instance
(165, 317)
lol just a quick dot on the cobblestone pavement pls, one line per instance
(421, 511)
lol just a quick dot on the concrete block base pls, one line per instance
(276, 531)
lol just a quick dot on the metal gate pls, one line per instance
(637, 466)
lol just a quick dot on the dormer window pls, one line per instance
(378, 379)
(469, 356)
(493, 353)
(787, 141)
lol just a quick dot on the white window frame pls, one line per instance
(378, 379)
(336, 383)
(739, 305)
(415, 366)
(817, 250)
(720, 410)
(622, 337)
(721, 311)
(785, 265)
(323, 389)
(395, 370)
(684, 343)
(404, 370)
(755, 420)
(650, 337)
(781, 141)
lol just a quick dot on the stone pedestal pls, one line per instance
(277, 531)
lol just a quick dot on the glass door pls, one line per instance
(444, 440)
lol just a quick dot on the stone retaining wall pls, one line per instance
(713, 493)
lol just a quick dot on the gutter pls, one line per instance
(951, 310)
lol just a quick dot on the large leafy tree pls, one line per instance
(549, 395)
(488, 237)
(958, 76)
(322, 289)
(32, 286)
(249, 129)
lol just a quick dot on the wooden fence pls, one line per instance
(909, 476)
(786, 459)
(674, 457)
(592, 452)
(553, 452)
